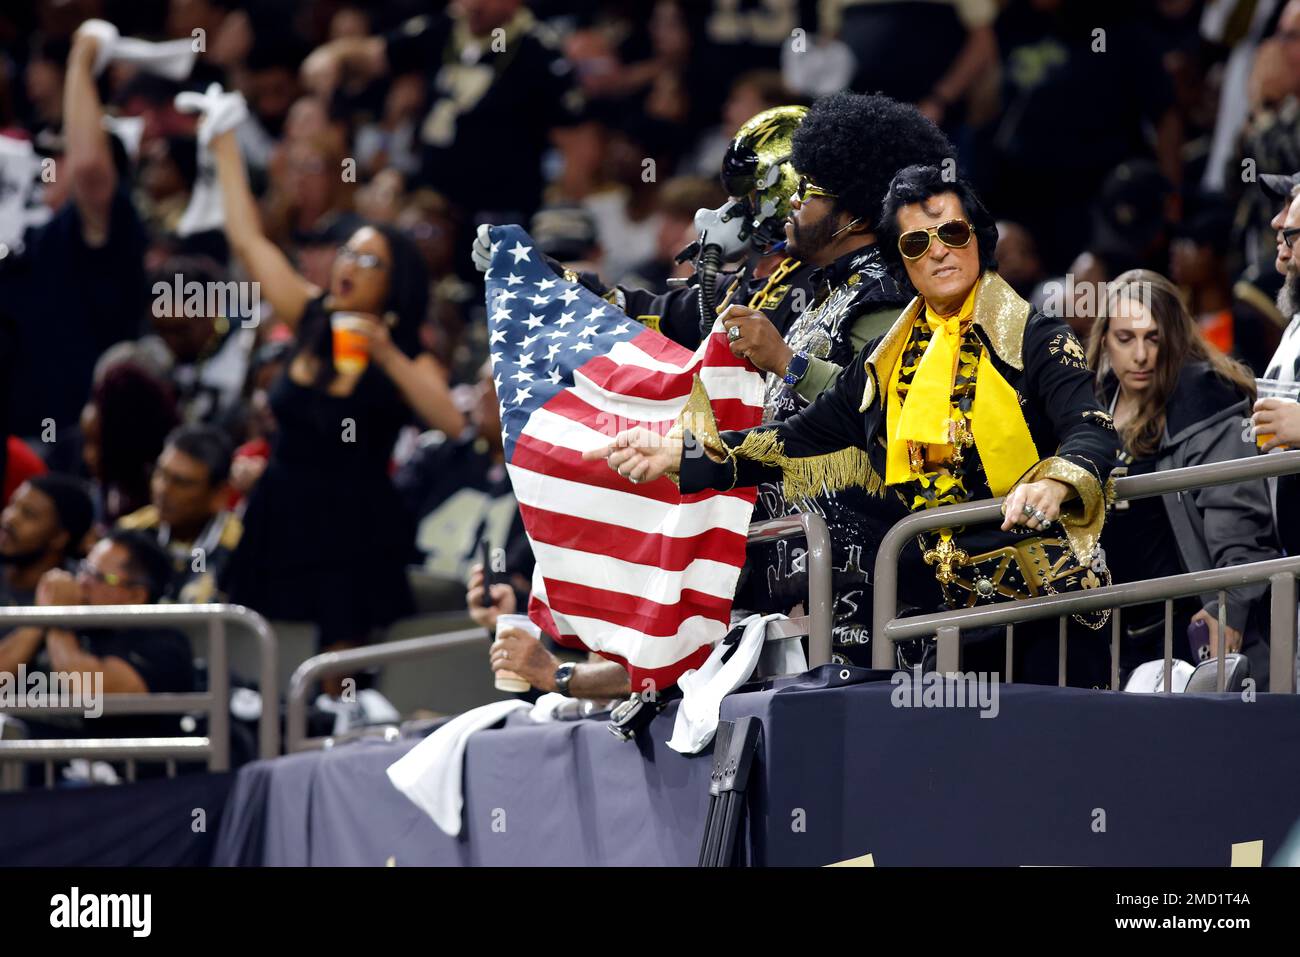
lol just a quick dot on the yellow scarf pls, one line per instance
(998, 426)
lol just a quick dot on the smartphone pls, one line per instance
(485, 559)
(1198, 636)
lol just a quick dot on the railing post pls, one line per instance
(219, 695)
(1282, 638)
(820, 598)
(947, 658)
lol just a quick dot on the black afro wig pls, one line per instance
(852, 144)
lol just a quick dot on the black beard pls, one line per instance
(22, 559)
(1288, 298)
(806, 244)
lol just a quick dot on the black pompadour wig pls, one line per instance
(852, 144)
(919, 184)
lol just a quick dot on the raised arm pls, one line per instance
(88, 160)
(286, 290)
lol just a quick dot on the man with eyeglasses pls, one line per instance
(1278, 416)
(187, 514)
(971, 394)
(124, 568)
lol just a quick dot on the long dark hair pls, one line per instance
(405, 307)
(1181, 342)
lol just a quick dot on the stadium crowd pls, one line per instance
(341, 156)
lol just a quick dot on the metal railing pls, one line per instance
(887, 629)
(816, 625)
(353, 660)
(214, 747)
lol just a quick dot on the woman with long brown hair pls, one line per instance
(1176, 401)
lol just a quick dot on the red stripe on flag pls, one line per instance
(659, 346)
(632, 611)
(642, 548)
(539, 456)
(570, 405)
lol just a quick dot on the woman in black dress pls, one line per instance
(326, 538)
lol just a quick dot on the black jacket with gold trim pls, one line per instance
(839, 440)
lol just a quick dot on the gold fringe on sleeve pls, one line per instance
(804, 477)
(1082, 518)
(807, 476)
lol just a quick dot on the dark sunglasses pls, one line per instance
(806, 191)
(1289, 235)
(915, 243)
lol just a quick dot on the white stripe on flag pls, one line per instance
(647, 652)
(589, 502)
(645, 581)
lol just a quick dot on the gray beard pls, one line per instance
(1288, 299)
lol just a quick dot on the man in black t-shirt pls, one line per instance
(124, 568)
(497, 87)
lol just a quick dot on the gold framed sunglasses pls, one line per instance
(806, 190)
(955, 233)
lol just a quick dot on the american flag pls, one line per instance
(641, 574)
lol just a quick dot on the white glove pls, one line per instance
(482, 251)
(221, 111)
(107, 35)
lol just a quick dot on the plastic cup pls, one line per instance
(508, 680)
(1275, 389)
(351, 347)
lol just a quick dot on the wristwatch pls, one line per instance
(563, 675)
(796, 369)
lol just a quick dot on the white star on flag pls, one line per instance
(565, 319)
(520, 252)
(569, 295)
(621, 328)
(522, 376)
(501, 315)
(526, 359)
(546, 284)
(588, 332)
(528, 341)
(554, 376)
(539, 300)
(596, 313)
(534, 320)
(521, 394)
(553, 351)
(505, 295)
(498, 335)
(513, 280)
(581, 346)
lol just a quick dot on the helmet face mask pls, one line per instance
(757, 170)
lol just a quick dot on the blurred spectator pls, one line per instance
(751, 94)
(309, 186)
(488, 107)
(390, 141)
(206, 356)
(960, 48)
(43, 527)
(458, 489)
(122, 432)
(567, 233)
(1018, 260)
(1198, 263)
(65, 323)
(187, 513)
(1269, 141)
(1132, 217)
(258, 427)
(124, 568)
(19, 463)
(1071, 113)
(1178, 401)
(679, 200)
(168, 168)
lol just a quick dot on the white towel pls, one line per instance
(431, 774)
(204, 211)
(704, 688)
(173, 59)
